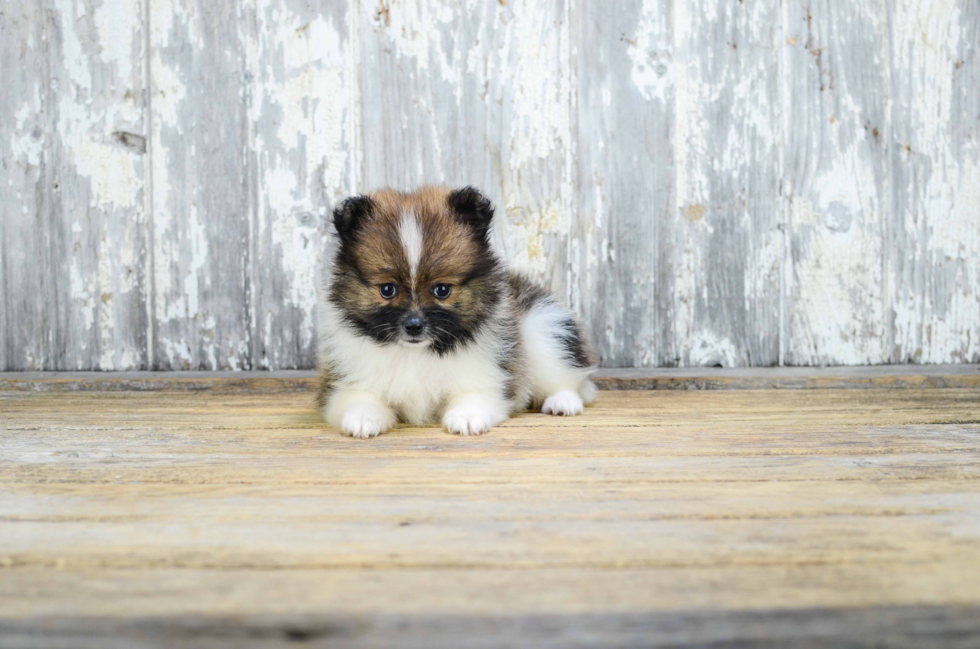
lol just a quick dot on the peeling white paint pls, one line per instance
(75, 60)
(116, 23)
(652, 67)
(300, 118)
(840, 272)
(709, 350)
(849, 206)
(112, 172)
(179, 353)
(25, 145)
(107, 322)
(81, 291)
(536, 176)
(531, 230)
(936, 301)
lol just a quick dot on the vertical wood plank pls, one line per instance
(474, 94)
(728, 210)
(299, 164)
(73, 244)
(23, 187)
(708, 183)
(836, 181)
(933, 244)
(621, 252)
(201, 206)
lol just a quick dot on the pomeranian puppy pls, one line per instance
(419, 322)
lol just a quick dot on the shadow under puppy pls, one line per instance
(419, 322)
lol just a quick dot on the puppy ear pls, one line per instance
(350, 216)
(473, 210)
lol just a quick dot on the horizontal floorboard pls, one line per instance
(900, 627)
(700, 378)
(657, 518)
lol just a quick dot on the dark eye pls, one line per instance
(388, 290)
(442, 291)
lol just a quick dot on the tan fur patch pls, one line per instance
(448, 248)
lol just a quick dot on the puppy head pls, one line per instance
(416, 268)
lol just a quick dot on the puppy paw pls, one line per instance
(363, 420)
(564, 402)
(467, 419)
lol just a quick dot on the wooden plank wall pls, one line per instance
(705, 183)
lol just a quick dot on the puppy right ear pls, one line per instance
(351, 215)
(472, 209)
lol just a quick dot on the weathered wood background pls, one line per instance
(705, 182)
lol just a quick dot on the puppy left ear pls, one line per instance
(351, 214)
(472, 209)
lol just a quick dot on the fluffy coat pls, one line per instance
(419, 322)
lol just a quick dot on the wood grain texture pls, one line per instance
(934, 163)
(734, 184)
(300, 165)
(899, 627)
(147, 514)
(707, 378)
(726, 297)
(72, 202)
(836, 182)
(201, 205)
(623, 242)
(24, 188)
(475, 93)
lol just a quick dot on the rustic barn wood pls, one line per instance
(677, 518)
(73, 285)
(706, 183)
(894, 627)
(704, 378)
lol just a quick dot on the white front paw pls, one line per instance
(467, 419)
(363, 420)
(564, 402)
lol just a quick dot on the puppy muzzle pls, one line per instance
(413, 326)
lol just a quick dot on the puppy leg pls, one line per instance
(559, 360)
(474, 413)
(358, 414)
(563, 403)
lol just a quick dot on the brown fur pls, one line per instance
(452, 255)
(456, 251)
(450, 258)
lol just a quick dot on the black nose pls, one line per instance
(413, 325)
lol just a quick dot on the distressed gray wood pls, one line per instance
(299, 166)
(201, 204)
(237, 516)
(673, 378)
(704, 184)
(729, 248)
(72, 209)
(622, 243)
(835, 181)
(23, 189)
(933, 237)
(474, 94)
(898, 627)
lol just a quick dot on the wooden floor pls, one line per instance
(659, 518)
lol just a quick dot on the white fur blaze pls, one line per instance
(565, 403)
(410, 233)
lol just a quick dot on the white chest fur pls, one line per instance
(415, 382)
